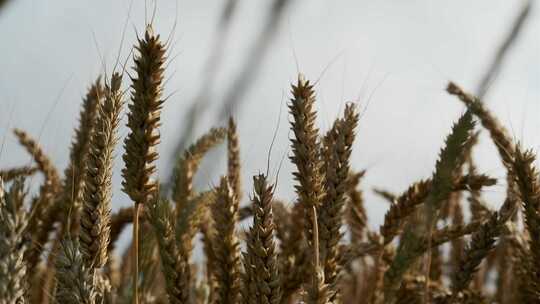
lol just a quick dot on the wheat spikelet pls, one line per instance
(356, 213)
(70, 200)
(48, 208)
(13, 173)
(41, 223)
(233, 159)
(97, 190)
(306, 150)
(448, 166)
(13, 221)
(208, 233)
(294, 258)
(226, 245)
(143, 122)
(450, 159)
(189, 163)
(262, 281)
(306, 157)
(337, 146)
(481, 243)
(526, 179)
(416, 194)
(75, 282)
(387, 195)
(498, 133)
(189, 220)
(174, 266)
(43, 162)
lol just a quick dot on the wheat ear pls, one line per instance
(188, 165)
(356, 212)
(261, 281)
(174, 266)
(74, 174)
(13, 173)
(338, 147)
(13, 221)
(451, 157)
(233, 159)
(527, 181)
(75, 282)
(498, 133)
(306, 157)
(97, 191)
(143, 122)
(43, 162)
(42, 220)
(226, 245)
(416, 194)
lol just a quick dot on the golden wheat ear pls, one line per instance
(13, 221)
(16, 172)
(261, 279)
(528, 184)
(42, 220)
(337, 151)
(497, 131)
(97, 192)
(175, 267)
(189, 163)
(143, 122)
(306, 156)
(75, 282)
(233, 159)
(226, 245)
(74, 175)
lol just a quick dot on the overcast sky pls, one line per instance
(392, 57)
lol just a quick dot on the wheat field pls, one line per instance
(59, 244)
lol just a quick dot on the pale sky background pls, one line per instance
(393, 57)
